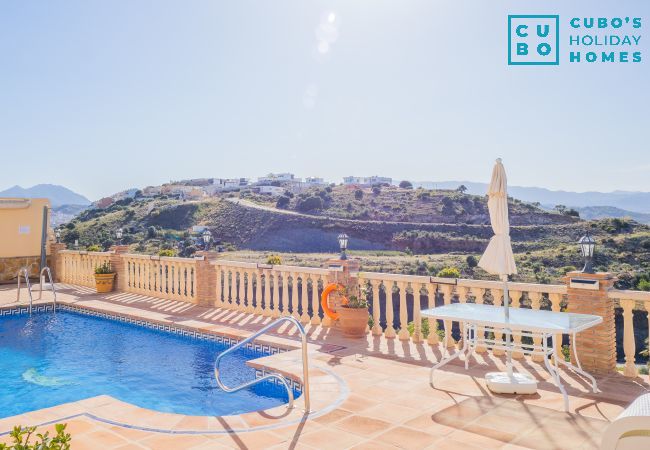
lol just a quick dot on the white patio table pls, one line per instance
(533, 323)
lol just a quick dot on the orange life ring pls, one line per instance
(325, 296)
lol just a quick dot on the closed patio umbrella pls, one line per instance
(499, 260)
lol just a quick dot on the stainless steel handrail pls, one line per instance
(24, 271)
(49, 276)
(283, 380)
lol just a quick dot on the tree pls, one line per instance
(462, 189)
(472, 262)
(283, 202)
(560, 208)
(376, 190)
(358, 194)
(310, 204)
(406, 184)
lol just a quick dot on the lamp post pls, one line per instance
(118, 234)
(57, 235)
(207, 237)
(343, 243)
(587, 245)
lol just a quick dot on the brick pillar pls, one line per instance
(56, 259)
(588, 294)
(206, 278)
(119, 266)
(347, 277)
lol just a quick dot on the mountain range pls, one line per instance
(58, 195)
(627, 201)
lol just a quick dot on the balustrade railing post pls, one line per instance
(207, 284)
(596, 347)
(118, 265)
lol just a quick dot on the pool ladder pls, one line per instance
(269, 376)
(24, 272)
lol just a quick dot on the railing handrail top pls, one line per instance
(277, 267)
(514, 286)
(379, 276)
(629, 295)
(84, 252)
(298, 269)
(240, 264)
(158, 258)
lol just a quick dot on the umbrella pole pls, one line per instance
(506, 305)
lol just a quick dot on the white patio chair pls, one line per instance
(631, 429)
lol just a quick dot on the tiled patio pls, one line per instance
(368, 393)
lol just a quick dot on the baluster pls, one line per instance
(249, 292)
(432, 339)
(315, 302)
(304, 303)
(515, 298)
(267, 312)
(629, 346)
(390, 329)
(497, 296)
(446, 290)
(480, 331)
(535, 302)
(276, 296)
(463, 293)
(417, 317)
(294, 296)
(238, 300)
(186, 287)
(258, 293)
(556, 299)
(376, 309)
(403, 333)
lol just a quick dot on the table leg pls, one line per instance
(471, 342)
(554, 372)
(578, 369)
(450, 358)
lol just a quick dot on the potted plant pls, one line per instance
(104, 278)
(353, 314)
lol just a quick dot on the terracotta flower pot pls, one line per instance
(353, 321)
(104, 282)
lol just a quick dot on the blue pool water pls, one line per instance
(49, 359)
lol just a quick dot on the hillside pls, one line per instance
(628, 200)
(58, 195)
(394, 204)
(601, 212)
(545, 250)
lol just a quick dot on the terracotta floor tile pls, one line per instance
(409, 438)
(333, 439)
(362, 425)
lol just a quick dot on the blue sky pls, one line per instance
(101, 96)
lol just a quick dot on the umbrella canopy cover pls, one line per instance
(498, 258)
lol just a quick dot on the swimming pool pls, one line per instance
(48, 359)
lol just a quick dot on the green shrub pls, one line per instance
(310, 204)
(358, 194)
(167, 252)
(94, 248)
(566, 352)
(104, 269)
(406, 184)
(282, 202)
(424, 328)
(449, 272)
(21, 437)
(274, 260)
(643, 285)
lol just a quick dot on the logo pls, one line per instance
(533, 40)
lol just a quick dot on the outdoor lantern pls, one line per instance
(57, 235)
(118, 235)
(343, 243)
(587, 245)
(207, 237)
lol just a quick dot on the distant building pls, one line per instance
(275, 191)
(278, 178)
(225, 185)
(367, 181)
(314, 181)
(151, 191)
